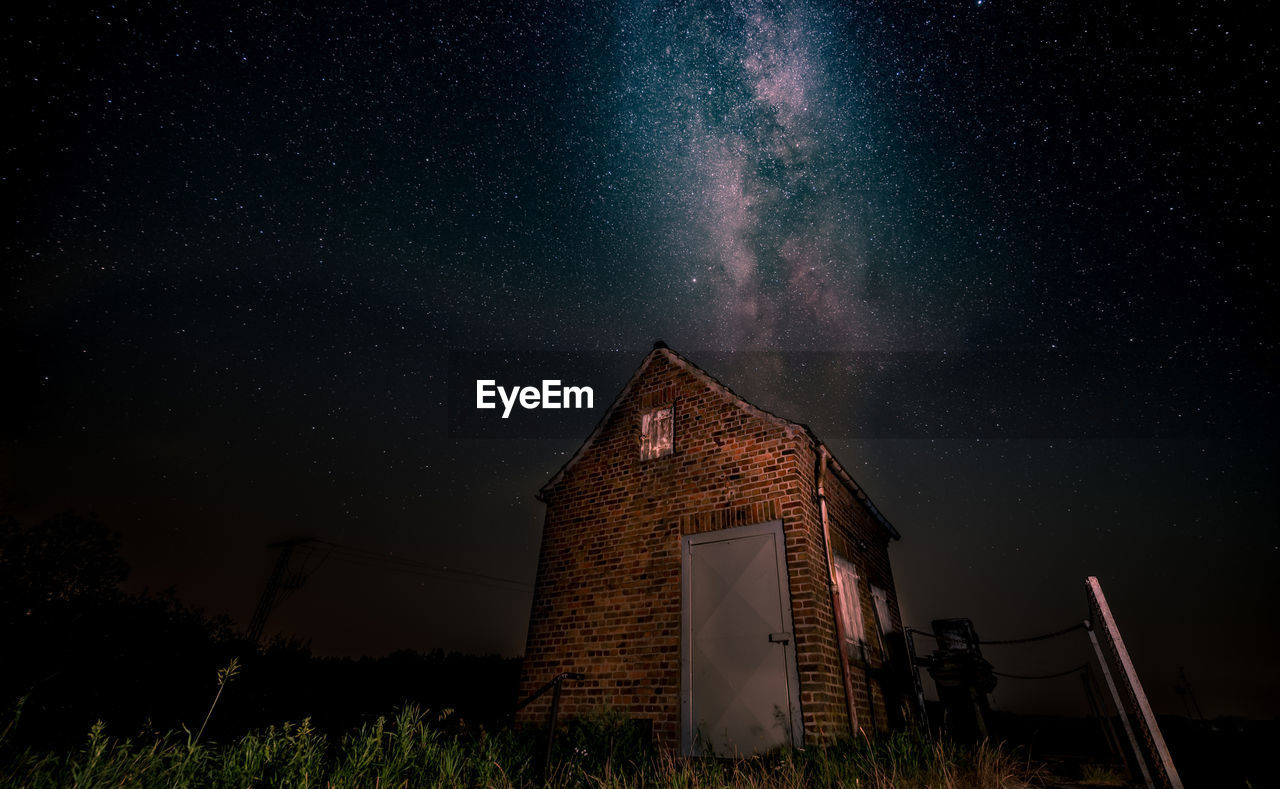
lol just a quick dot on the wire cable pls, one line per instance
(996, 642)
(391, 560)
(1054, 634)
(1081, 667)
(373, 560)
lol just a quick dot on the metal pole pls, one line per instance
(1094, 691)
(1151, 729)
(1124, 717)
(1189, 695)
(551, 725)
(915, 680)
(1096, 709)
(267, 600)
(554, 713)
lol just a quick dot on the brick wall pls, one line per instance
(608, 596)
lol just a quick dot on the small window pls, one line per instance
(656, 433)
(851, 607)
(881, 598)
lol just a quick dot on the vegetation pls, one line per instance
(420, 750)
(1101, 775)
(93, 653)
(89, 651)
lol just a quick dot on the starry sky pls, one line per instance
(1012, 262)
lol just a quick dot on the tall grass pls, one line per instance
(415, 749)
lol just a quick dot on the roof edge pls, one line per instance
(855, 488)
(660, 347)
(541, 495)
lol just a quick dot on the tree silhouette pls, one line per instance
(66, 559)
(78, 649)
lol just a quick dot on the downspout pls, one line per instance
(820, 475)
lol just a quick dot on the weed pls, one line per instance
(413, 749)
(1100, 775)
(225, 675)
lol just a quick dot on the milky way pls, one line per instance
(752, 138)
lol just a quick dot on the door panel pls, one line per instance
(740, 690)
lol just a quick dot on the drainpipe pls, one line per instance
(821, 474)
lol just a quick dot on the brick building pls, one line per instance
(686, 566)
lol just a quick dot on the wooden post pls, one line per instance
(1162, 762)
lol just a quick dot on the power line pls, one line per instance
(1054, 634)
(300, 558)
(994, 642)
(377, 559)
(456, 576)
(392, 560)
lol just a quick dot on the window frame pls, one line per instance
(855, 631)
(880, 598)
(651, 421)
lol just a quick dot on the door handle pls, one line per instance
(780, 638)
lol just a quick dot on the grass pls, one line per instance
(415, 749)
(1101, 775)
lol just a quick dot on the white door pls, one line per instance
(740, 695)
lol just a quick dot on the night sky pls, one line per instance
(247, 246)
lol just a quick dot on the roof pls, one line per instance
(660, 348)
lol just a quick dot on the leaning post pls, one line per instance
(1162, 762)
